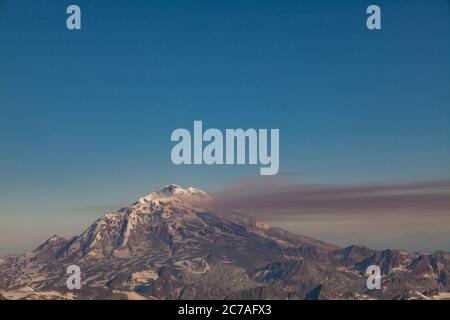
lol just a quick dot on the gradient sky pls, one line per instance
(86, 116)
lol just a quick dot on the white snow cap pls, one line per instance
(172, 190)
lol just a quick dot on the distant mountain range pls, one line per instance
(173, 244)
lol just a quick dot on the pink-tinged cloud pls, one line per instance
(277, 196)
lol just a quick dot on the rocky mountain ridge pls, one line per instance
(173, 244)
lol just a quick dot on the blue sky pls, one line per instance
(86, 116)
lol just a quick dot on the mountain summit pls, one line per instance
(172, 244)
(176, 190)
(173, 191)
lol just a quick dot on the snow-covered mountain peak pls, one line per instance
(191, 195)
(163, 212)
(168, 199)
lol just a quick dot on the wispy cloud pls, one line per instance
(413, 216)
(279, 195)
